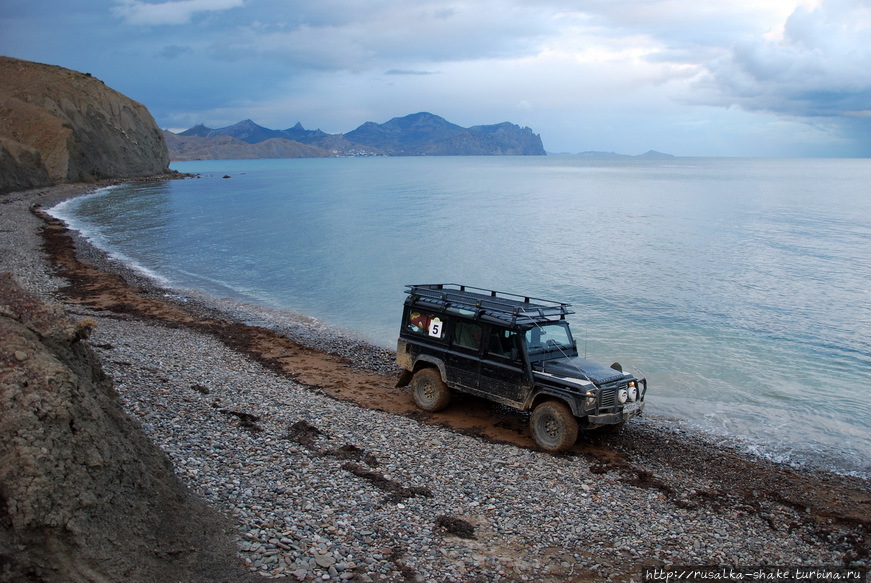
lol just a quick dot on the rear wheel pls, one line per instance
(429, 390)
(553, 426)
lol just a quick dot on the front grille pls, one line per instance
(609, 398)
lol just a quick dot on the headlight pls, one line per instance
(591, 402)
(633, 390)
(622, 395)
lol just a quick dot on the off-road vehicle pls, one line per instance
(515, 350)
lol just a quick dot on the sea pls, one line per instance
(741, 288)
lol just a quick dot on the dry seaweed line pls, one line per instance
(396, 492)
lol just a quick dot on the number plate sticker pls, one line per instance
(630, 407)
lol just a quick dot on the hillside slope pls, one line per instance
(230, 148)
(84, 496)
(59, 126)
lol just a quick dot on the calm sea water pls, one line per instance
(740, 287)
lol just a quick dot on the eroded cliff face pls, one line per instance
(59, 126)
(84, 496)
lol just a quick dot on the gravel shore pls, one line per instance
(322, 488)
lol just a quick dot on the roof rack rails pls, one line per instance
(490, 304)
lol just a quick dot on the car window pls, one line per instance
(549, 337)
(467, 335)
(425, 324)
(501, 342)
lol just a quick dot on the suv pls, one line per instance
(515, 350)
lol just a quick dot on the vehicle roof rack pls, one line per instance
(488, 304)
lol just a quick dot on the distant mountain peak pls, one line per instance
(417, 134)
(199, 130)
(426, 134)
(422, 119)
(246, 123)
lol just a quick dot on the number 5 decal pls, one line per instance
(435, 327)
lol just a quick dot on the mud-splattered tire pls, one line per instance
(429, 390)
(553, 426)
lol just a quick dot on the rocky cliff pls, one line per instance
(84, 496)
(59, 126)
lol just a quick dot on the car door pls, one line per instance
(463, 359)
(502, 369)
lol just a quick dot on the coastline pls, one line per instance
(650, 495)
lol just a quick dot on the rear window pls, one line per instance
(425, 324)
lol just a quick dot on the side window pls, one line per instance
(467, 335)
(501, 342)
(425, 324)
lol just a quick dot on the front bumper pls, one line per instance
(629, 411)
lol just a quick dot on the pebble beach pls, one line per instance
(320, 488)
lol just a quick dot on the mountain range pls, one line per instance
(418, 134)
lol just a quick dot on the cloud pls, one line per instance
(137, 12)
(820, 66)
(342, 36)
(408, 72)
(669, 75)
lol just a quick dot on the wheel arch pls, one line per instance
(543, 394)
(421, 362)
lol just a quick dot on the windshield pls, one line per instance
(548, 337)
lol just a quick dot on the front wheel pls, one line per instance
(429, 390)
(553, 426)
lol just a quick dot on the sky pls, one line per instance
(761, 78)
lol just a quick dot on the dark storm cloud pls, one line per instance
(724, 77)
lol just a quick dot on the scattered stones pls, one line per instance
(441, 506)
